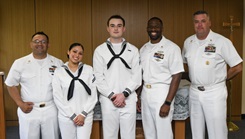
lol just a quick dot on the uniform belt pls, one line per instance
(43, 104)
(207, 87)
(149, 86)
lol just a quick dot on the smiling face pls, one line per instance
(154, 30)
(39, 46)
(116, 29)
(75, 54)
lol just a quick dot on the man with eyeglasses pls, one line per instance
(36, 111)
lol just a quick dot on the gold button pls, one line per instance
(148, 86)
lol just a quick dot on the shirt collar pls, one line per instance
(109, 42)
(208, 38)
(80, 64)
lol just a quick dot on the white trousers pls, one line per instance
(40, 122)
(70, 131)
(156, 127)
(208, 107)
(114, 118)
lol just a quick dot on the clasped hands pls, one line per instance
(79, 120)
(118, 100)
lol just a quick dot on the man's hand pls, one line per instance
(26, 107)
(118, 100)
(138, 105)
(79, 120)
(164, 110)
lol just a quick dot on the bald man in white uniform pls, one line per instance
(162, 67)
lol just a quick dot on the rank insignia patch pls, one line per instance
(210, 48)
(159, 55)
(52, 69)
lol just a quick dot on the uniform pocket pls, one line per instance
(28, 77)
(208, 60)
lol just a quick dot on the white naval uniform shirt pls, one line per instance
(35, 79)
(117, 78)
(81, 100)
(207, 62)
(160, 61)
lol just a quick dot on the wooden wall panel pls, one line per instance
(135, 13)
(165, 11)
(84, 21)
(176, 17)
(220, 11)
(2, 113)
(65, 22)
(183, 23)
(17, 26)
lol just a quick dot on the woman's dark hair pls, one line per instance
(73, 45)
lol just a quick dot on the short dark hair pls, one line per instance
(115, 17)
(40, 33)
(200, 12)
(73, 45)
(156, 18)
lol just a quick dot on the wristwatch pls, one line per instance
(125, 93)
(167, 102)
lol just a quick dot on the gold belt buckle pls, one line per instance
(148, 86)
(42, 105)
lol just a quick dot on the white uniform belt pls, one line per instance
(207, 87)
(149, 86)
(43, 104)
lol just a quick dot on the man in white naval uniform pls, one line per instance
(207, 55)
(118, 75)
(37, 112)
(162, 69)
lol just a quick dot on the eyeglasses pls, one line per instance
(38, 41)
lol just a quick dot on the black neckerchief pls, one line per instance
(71, 87)
(117, 56)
